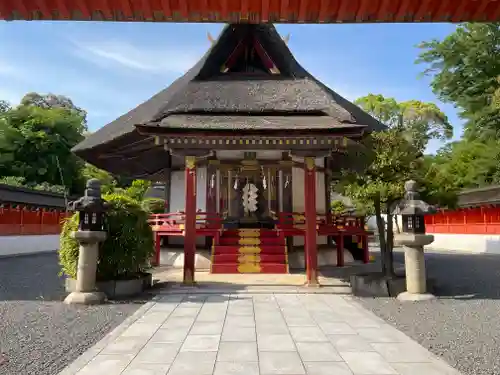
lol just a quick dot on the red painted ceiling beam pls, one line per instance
(290, 11)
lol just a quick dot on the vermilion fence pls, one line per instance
(21, 220)
(480, 220)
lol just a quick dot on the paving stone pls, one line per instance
(231, 333)
(300, 321)
(166, 335)
(328, 368)
(193, 363)
(236, 368)
(350, 343)
(206, 328)
(201, 343)
(237, 352)
(240, 321)
(272, 329)
(146, 369)
(125, 345)
(384, 334)
(308, 334)
(403, 352)
(269, 317)
(158, 353)
(319, 352)
(367, 363)
(240, 311)
(185, 312)
(107, 364)
(211, 315)
(141, 329)
(177, 323)
(275, 343)
(326, 317)
(154, 317)
(280, 363)
(337, 328)
(163, 306)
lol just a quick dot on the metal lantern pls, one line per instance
(91, 207)
(412, 210)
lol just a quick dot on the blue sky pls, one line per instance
(109, 68)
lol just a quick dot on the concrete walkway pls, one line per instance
(266, 334)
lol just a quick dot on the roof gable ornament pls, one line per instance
(210, 38)
(249, 48)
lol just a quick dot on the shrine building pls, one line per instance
(247, 143)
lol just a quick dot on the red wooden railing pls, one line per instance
(289, 224)
(20, 220)
(480, 220)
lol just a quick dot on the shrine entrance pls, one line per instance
(249, 194)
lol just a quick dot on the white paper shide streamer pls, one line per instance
(250, 195)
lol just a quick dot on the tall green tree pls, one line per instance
(465, 67)
(394, 160)
(418, 122)
(51, 101)
(35, 144)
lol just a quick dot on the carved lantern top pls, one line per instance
(411, 204)
(92, 200)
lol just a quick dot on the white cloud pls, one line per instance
(155, 61)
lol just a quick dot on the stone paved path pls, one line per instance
(266, 334)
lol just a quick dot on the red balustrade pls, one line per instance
(21, 220)
(289, 224)
(477, 220)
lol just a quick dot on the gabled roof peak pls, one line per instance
(249, 50)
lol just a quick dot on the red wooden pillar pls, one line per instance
(190, 221)
(310, 247)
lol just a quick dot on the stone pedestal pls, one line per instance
(85, 292)
(413, 244)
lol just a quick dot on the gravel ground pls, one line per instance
(39, 335)
(463, 325)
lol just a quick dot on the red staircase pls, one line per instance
(250, 251)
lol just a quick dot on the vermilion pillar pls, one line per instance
(190, 221)
(311, 253)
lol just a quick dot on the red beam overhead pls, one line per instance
(287, 11)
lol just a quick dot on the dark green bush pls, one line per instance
(126, 251)
(154, 205)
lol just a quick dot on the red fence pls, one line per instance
(481, 220)
(20, 220)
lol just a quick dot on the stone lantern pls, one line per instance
(413, 238)
(91, 208)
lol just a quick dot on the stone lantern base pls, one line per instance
(85, 298)
(85, 292)
(416, 278)
(415, 297)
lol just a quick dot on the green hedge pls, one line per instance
(126, 251)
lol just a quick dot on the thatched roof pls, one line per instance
(206, 98)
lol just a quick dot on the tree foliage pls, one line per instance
(418, 121)
(465, 67)
(35, 144)
(50, 101)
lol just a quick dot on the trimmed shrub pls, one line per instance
(126, 251)
(154, 205)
